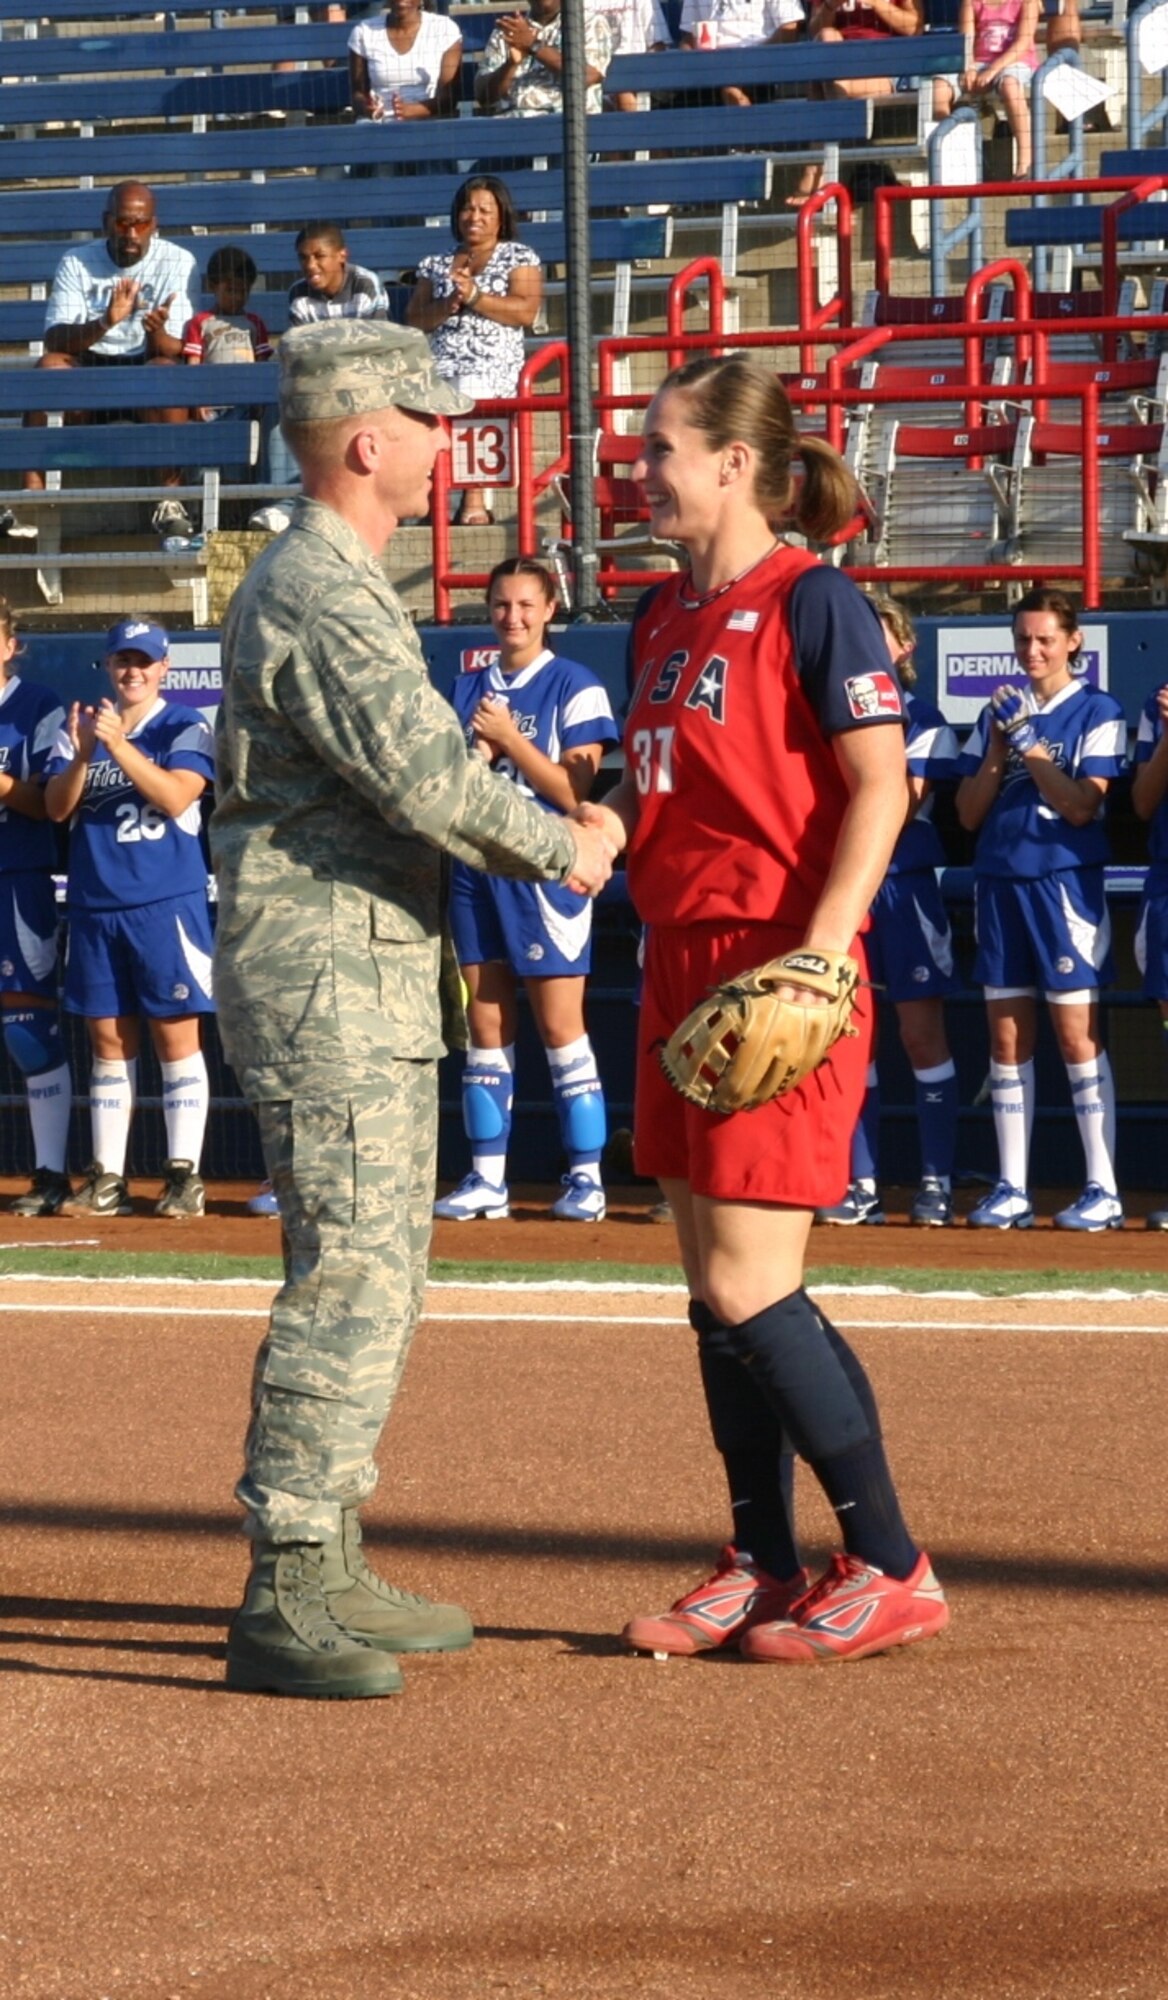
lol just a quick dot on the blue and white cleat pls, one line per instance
(933, 1206)
(860, 1204)
(582, 1201)
(1005, 1207)
(1095, 1209)
(263, 1201)
(473, 1197)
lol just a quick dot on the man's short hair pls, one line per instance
(231, 262)
(322, 232)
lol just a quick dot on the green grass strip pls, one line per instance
(191, 1266)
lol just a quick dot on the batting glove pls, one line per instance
(1012, 715)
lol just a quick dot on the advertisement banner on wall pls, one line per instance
(194, 678)
(972, 660)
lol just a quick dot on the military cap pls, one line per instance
(344, 367)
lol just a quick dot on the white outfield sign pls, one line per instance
(972, 660)
(481, 452)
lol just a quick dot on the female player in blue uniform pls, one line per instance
(30, 717)
(543, 721)
(128, 776)
(1035, 773)
(1150, 800)
(910, 958)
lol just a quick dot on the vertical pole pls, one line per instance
(581, 416)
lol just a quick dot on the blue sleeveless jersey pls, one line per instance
(1023, 837)
(124, 852)
(31, 718)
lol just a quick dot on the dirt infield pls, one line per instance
(980, 1819)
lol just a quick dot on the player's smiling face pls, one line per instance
(520, 614)
(136, 677)
(678, 473)
(1045, 651)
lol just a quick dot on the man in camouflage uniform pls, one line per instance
(343, 778)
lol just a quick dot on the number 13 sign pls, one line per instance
(480, 452)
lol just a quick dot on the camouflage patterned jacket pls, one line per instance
(342, 778)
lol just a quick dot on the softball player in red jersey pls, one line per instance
(765, 790)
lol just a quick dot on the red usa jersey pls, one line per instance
(736, 697)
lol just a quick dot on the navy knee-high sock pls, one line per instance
(759, 1462)
(819, 1392)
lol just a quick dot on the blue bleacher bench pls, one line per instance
(117, 54)
(794, 63)
(435, 141)
(1146, 222)
(95, 447)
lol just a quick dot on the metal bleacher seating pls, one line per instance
(939, 493)
(1047, 494)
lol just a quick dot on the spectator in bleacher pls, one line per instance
(475, 303)
(127, 775)
(126, 299)
(857, 21)
(739, 24)
(519, 75)
(331, 288)
(1035, 773)
(227, 333)
(406, 65)
(1150, 800)
(30, 718)
(634, 27)
(910, 961)
(1004, 61)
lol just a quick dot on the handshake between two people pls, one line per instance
(600, 835)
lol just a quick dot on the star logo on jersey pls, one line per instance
(871, 695)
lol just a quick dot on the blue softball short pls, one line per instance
(910, 944)
(154, 959)
(1053, 933)
(29, 934)
(540, 929)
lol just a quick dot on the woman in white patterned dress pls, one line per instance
(476, 302)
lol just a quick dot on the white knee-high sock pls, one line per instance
(50, 1100)
(112, 1089)
(1093, 1096)
(1012, 1095)
(186, 1098)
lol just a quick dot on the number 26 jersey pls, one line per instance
(123, 851)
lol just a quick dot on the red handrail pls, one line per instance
(1151, 184)
(811, 316)
(682, 284)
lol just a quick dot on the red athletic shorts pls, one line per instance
(795, 1151)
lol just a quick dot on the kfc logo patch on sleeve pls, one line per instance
(873, 694)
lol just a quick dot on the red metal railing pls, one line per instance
(812, 316)
(1028, 334)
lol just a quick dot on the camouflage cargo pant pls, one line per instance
(353, 1165)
